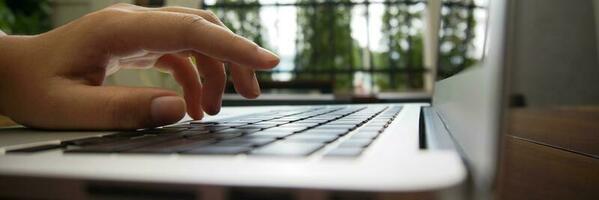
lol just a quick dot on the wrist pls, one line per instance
(2, 70)
(5, 48)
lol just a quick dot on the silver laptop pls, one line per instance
(447, 149)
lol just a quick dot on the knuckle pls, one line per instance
(190, 25)
(120, 5)
(192, 20)
(211, 16)
(105, 16)
(174, 8)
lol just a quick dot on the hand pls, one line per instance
(54, 80)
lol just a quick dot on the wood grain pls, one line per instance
(533, 171)
(550, 154)
(573, 129)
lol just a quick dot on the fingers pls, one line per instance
(244, 81)
(214, 75)
(107, 107)
(172, 31)
(244, 78)
(184, 73)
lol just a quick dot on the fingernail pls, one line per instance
(167, 110)
(271, 58)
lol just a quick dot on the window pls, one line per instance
(354, 46)
(462, 35)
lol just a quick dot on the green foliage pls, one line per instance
(324, 42)
(245, 22)
(405, 46)
(25, 16)
(458, 25)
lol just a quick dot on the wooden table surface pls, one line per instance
(550, 154)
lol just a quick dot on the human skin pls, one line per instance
(54, 80)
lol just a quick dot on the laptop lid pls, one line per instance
(470, 103)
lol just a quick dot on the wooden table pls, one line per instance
(550, 154)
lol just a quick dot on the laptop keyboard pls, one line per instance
(300, 132)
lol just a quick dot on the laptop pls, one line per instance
(445, 149)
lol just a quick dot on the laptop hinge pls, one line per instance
(433, 132)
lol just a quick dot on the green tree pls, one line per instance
(25, 16)
(243, 20)
(405, 47)
(457, 27)
(324, 41)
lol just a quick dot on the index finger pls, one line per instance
(170, 32)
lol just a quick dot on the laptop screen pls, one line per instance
(470, 102)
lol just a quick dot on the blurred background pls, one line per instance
(343, 50)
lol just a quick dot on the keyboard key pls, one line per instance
(356, 142)
(256, 126)
(372, 129)
(205, 136)
(228, 150)
(273, 133)
(246, 121)
(125, 144)
(93, 141)
(337, 127)
(250, 131)
(311, 121)
(217, 127)
(300, 126)
(288, 129)
(194, 132)
(365, 135)
(327, 131)
(234, 124)
(203, 122)
(271, 123)
(319, 138)
(229, 131)
(288, 149)
(379, 124)
(247, 141)
(280, 121)
(344, 152)
(173, 146)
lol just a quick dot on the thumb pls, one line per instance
(110, 107)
